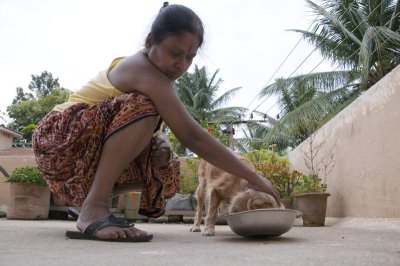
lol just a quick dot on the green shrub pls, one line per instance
(310, 183)
(189, 179)
(27, 175)
(284, 180)
(276, 168)
(265, 156)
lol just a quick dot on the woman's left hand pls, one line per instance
(160, 150)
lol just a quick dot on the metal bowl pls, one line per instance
(262, 222)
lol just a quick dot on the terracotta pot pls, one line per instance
(28, 201)
(313, 207)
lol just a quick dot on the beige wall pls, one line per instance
(366, 179)
(5, 142)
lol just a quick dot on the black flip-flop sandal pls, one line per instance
(111, 220)
(74, 213)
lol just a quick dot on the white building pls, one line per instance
(6, 137)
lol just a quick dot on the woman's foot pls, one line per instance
(91, 213)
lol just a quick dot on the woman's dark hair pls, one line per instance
(175, 19)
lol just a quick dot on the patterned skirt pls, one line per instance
(68, 147)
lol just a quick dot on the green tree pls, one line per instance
(360, 37)
(27, 108)
(198, 92)
(43, 84)
(22, 96)
(253, 138)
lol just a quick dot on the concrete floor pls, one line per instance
(350, 241)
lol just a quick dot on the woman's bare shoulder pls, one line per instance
(136, 72)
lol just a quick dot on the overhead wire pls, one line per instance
(284, 61)
(336, 47)
(255, 109)
(375, 50)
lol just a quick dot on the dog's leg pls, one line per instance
(212, 213)
(200, 194)
(200, 191)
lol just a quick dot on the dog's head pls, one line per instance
(251, 200)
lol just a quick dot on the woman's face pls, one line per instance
(174, 55)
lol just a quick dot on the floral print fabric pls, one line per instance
(68, 147)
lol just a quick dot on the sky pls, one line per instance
(246, 40)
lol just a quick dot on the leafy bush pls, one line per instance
(310, 183)
(276, 168)
(284, 180)
(27, 175)
(265, 156)
(189, 179)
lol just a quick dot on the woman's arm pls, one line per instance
(138, 74)
(193, 136)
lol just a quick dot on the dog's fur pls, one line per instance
(222, 187)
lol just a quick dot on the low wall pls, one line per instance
(365, 137)
(11, 162)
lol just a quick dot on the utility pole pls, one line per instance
(230, 130)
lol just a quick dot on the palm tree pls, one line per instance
(198, 92)
(253, 135)
(360, 37)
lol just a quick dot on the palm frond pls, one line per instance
(226, 97)
(333, 20)
(394, 19)
(308, 117)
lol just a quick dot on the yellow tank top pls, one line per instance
(96, 90)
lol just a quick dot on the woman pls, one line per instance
(99, 143)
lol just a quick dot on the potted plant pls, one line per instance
(311, 199)
(29, 194)
(311, 194)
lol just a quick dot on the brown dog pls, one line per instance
(222, 187)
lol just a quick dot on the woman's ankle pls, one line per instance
(93, 210)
